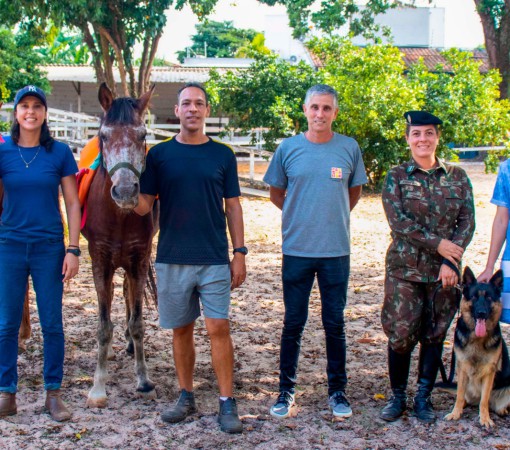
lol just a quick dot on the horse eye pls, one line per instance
(103, 137)
(143, 135)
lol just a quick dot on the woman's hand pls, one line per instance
(70, 266)
(452, 252)
(447, 276)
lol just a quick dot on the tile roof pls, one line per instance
(431, 57)
(86, 74)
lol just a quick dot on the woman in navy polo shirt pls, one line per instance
(32, 168)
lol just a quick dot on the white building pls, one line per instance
(412, 27)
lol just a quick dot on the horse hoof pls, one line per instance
(150, 395)
(130, 349)
(97, 402)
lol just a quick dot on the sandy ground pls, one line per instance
(130, 422)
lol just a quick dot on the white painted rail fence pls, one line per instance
(76, 129)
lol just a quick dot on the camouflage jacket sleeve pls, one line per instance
(465, 228)
(402, 223)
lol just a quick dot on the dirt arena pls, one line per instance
(130, 422)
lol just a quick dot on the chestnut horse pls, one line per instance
(117, 236)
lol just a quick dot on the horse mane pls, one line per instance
(124, 110)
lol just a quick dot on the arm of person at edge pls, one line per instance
(498, 237)
(73, 211)
(235, 223)
(145, 204)
(409, 229)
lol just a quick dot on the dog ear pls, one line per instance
(469, 277)
(497, 279)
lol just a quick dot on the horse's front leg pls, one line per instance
(136, 286)
(130, 348)
(25, 329)
(103, 277)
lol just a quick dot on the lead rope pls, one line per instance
(447, 379)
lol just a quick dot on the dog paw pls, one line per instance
(454, 415)
(486, 422)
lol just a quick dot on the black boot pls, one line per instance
(398, 365)
(428, 366)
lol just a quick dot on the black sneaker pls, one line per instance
(184, 407)
(228, 418)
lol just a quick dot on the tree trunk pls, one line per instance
(504, 50)
(144, 78)
(108, 66)
(497, 41)
(120, 60)
(96, 56)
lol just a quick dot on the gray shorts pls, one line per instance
(181, 288)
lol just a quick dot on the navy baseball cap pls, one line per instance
(34, 91)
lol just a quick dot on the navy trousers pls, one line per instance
(298, 274)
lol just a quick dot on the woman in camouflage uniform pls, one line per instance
(430, 210)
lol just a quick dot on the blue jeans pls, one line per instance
(43, 262)
(298, 274)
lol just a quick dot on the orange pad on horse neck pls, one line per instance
(89, 153)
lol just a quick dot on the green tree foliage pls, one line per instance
(256, 46)
(18, 64)
(221, 39)
(112, 28)
(269, 94)
(334, 14)
(64, 46)
(374, 92)
(468, 102)
(109, 28)
(495, 18)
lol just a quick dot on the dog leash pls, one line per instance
(447, 379)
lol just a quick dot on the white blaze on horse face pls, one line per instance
(124, 154)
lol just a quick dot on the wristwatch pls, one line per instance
(74, 251)
(242, 250)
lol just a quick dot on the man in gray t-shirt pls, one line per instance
(315, 178)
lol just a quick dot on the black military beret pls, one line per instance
(421, 118)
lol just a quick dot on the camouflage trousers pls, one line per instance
(410, 314)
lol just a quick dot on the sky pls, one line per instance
(462, 24)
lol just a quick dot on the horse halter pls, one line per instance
(123, 164)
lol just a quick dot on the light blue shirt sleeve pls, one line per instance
(501, 195)
(275, 175)
(359, 175)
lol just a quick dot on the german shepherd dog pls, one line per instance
(482, 355)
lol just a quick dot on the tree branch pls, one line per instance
(120, 60)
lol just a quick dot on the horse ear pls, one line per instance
(145, 98)
(105, 96)
(469, 277)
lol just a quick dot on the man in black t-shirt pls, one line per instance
(194, 177)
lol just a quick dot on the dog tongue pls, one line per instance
(480, 328)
